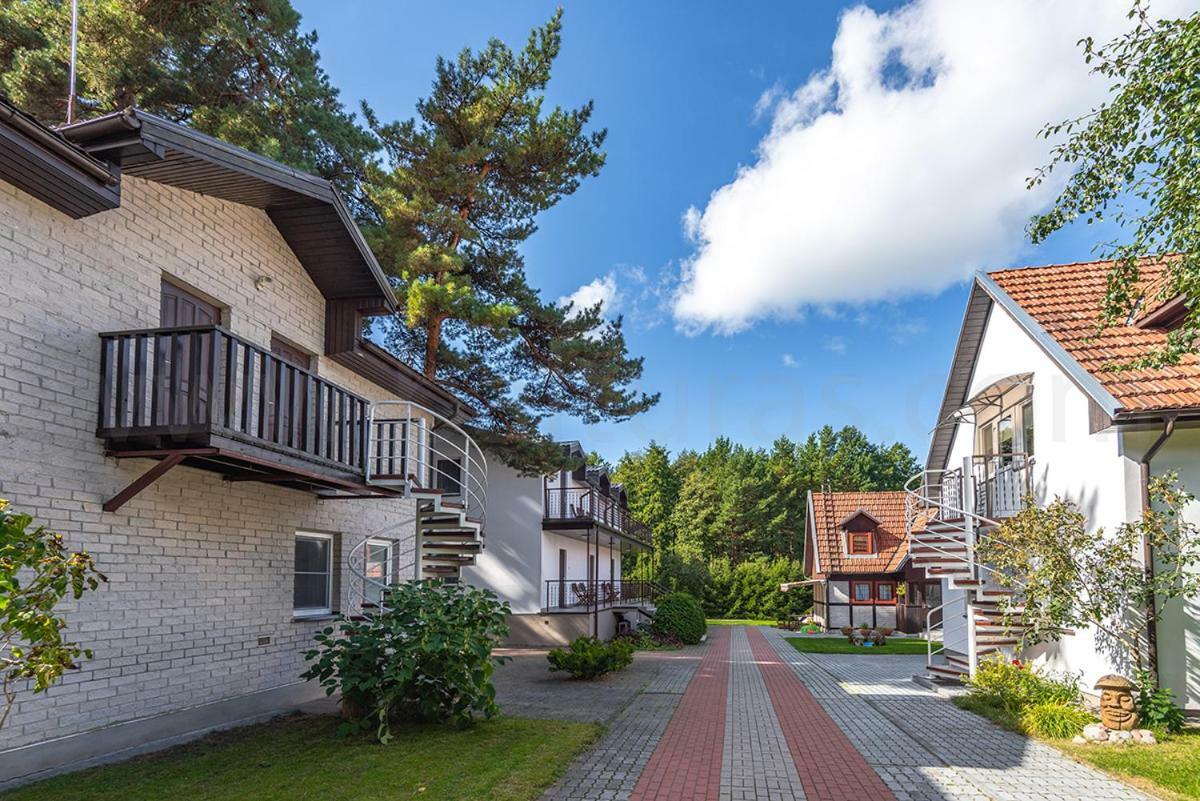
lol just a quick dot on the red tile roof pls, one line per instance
(1065, 300)
(830, 509)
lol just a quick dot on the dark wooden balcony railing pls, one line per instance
(177, 384)
(591, 505)
(585, 595)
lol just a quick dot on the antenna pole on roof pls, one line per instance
(71, 79)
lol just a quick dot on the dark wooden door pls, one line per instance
(290, 384)
(178, 308)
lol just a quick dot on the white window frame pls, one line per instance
(314, 611)
(388, 569)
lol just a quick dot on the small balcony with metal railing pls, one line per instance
(573, 508)
(584, 595)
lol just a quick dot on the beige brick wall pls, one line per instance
(199, 569)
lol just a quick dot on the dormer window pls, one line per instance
(862, 543)
(859, 529)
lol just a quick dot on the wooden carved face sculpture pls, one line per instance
(1117, 708)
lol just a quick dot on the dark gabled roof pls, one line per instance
(307, 210)
(43, 164)
(857, 513)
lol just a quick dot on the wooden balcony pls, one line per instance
(206, 397)
(576, 507)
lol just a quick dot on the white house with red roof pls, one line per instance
(1031, 406)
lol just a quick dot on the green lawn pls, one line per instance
(1167, 769)
(840, 645)
(1171, 768)
(299, 758)
(734, 621)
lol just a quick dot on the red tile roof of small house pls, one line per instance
(829, 513)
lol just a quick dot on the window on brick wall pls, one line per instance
(379, 569)
(312, 586)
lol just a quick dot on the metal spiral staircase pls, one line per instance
(943, 533)
(429, 458)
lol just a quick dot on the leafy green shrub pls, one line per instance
(1015, 687)
(590, 658)
(644, 640)
(427, 656)
(37, 571)
(1155, 706)
(678, 616)
(1054, 719)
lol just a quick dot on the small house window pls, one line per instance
(861, 543)
(379, 569)
(1004, 435)
(885, 591)
(312, 584)
(1027, 426)
(862, 592)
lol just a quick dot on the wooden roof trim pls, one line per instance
(860, 512)
(1166, 316)
(146, 141)
(42, 164)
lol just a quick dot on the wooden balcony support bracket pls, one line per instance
(170, 459)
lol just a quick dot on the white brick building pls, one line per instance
(204, 618)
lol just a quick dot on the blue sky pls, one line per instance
(856, 215)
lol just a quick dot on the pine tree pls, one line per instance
(458, 192)
(240, 71)
(653, 490)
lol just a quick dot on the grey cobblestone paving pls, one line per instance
(609, 770)
(927, 749)
(756, 764)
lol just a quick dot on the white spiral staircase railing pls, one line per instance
(428, 457)
(943, 535)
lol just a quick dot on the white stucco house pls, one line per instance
(1030, 406)
(554, 551)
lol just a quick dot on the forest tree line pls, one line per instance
(727, 523)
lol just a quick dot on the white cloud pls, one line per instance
(835, 345)
(767, 100)
(901, 168)
(790, 361)
(601, 290)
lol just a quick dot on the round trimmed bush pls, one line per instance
(678, 616)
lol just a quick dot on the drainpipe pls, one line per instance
(1148, 547)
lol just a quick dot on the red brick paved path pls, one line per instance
(686, 765)
(829, 765)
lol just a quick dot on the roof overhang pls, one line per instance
(857, 513)
(986, 293)
(307, 210)
(380, 367)
(43, 164)
(811, 533)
